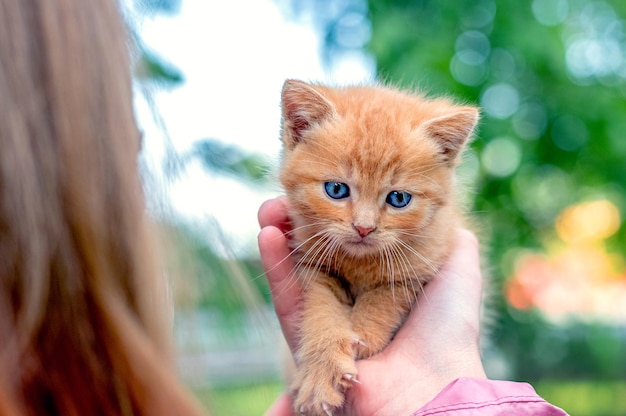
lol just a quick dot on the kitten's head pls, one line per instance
(369, 167)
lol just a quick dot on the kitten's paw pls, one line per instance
(320, 385)
(322, 395)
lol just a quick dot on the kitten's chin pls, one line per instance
(361, 248)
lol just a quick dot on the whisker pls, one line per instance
(419, 255)
(386, 263)
(293, 275)
(408, 272)
(435, 270)
(305, 269)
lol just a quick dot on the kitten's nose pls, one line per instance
(363, 231)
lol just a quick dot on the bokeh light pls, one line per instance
(579, 279)
(501, 157)
(588, 222)
(500, 100)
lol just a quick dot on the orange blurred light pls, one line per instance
(588, 221)
(575, 282)
(581, 279)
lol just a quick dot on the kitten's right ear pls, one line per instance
(302, 107)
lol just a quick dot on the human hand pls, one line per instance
(436, 345)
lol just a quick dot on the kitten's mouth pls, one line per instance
(363, 245)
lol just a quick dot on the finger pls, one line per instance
(283, 406)
(274, 212)
(285, 288)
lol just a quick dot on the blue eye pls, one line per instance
(398, 199)
(337, 190)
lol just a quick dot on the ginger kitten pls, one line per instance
(369, 174)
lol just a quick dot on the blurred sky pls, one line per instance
(234, 57)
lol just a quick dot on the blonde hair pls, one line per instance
(82, 324)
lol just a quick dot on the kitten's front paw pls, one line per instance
(321, 392)
(320, 385)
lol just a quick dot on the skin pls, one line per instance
(436, 345)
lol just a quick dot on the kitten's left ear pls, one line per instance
(452, 131)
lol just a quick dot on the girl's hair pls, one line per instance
(83, 308)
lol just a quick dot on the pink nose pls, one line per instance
(363, 231)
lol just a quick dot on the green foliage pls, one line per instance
(228, 159)
(153, 68)
(585, 398)
(559, 123)
(247, 400)
(536, 349)
(203, 278)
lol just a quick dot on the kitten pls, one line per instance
(369, 174)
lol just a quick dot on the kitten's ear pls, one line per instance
(452, 131)
(302, 106)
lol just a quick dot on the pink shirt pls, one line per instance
(481, 397)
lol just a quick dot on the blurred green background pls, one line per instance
(547, 174)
